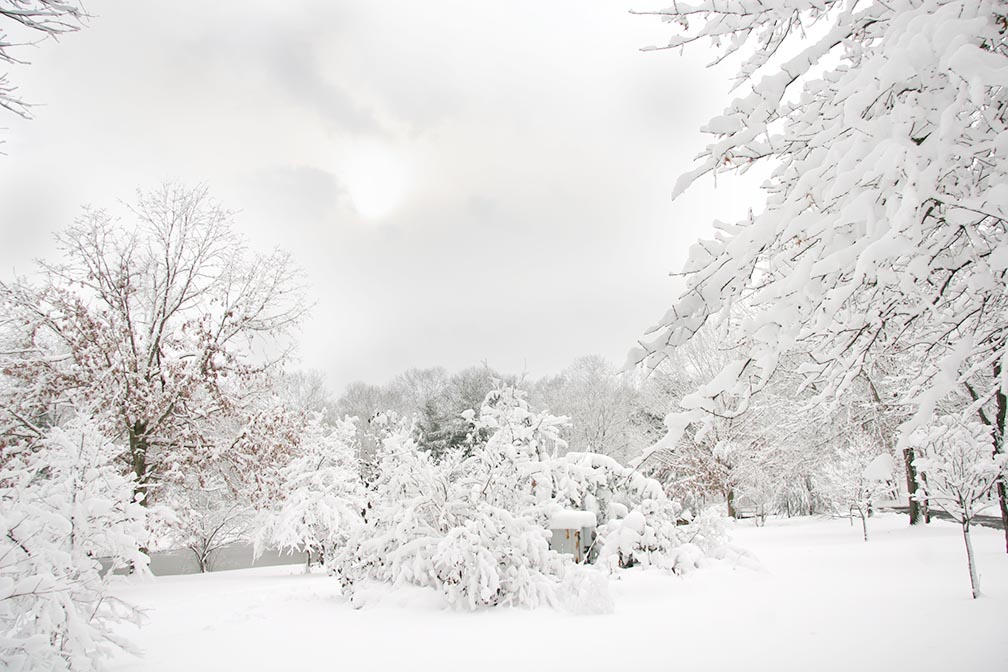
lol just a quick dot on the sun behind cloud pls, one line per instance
(377, 178)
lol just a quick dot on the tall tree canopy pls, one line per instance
(161, 325)
(885, 219)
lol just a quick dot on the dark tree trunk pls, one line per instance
(811, 495)
(999, 428)
(202, 557)
(141, 471)
(138, 445)
(918, 510)
(732, 513)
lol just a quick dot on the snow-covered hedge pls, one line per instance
(427, 524)
(322, 496)
(474, 524)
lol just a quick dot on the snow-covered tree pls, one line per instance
(321, 496)
(961, 473)
(432, 397)
(164, 324)
(207, 515)
(858, 476)
(65, 508)
(214, 501)
(884, 227)
(704, 462)
(602, 407)
(760, 462)
(440, 424)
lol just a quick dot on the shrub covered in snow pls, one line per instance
(474, 523)
(647, 536)
(639, 523)
(321, 493)
(496, 557)
(457, 524)
(63, 505)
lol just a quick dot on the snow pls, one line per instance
(568, 519)
(810, 594)
(879, 469)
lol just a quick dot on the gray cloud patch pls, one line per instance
(281, 58)
(296, 71)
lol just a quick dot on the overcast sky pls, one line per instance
(461, 181)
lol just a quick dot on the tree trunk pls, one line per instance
(999, 428)
(202, 558)
(918, 511)
(864, 524)
(974, 579)
(138, 465)
(732, 513)
(811, 495)
(138, 445)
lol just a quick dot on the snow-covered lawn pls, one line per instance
(820, 599)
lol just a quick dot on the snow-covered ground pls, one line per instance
(819, 598)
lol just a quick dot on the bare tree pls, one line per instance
(307, 391)
(601, 405)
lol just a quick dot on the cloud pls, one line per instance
(295, 70)
(277, 55)
(541, 144)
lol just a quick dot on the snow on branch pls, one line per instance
(884, 221)
(48, 18)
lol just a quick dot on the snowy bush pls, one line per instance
(473, 524)
(639, 523)
(63, 505)
(440, 524)
(495, 557)
(585, 590)
(649, 537)
(708, 531)
(321, 493)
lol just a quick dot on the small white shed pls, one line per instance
(573, 532)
